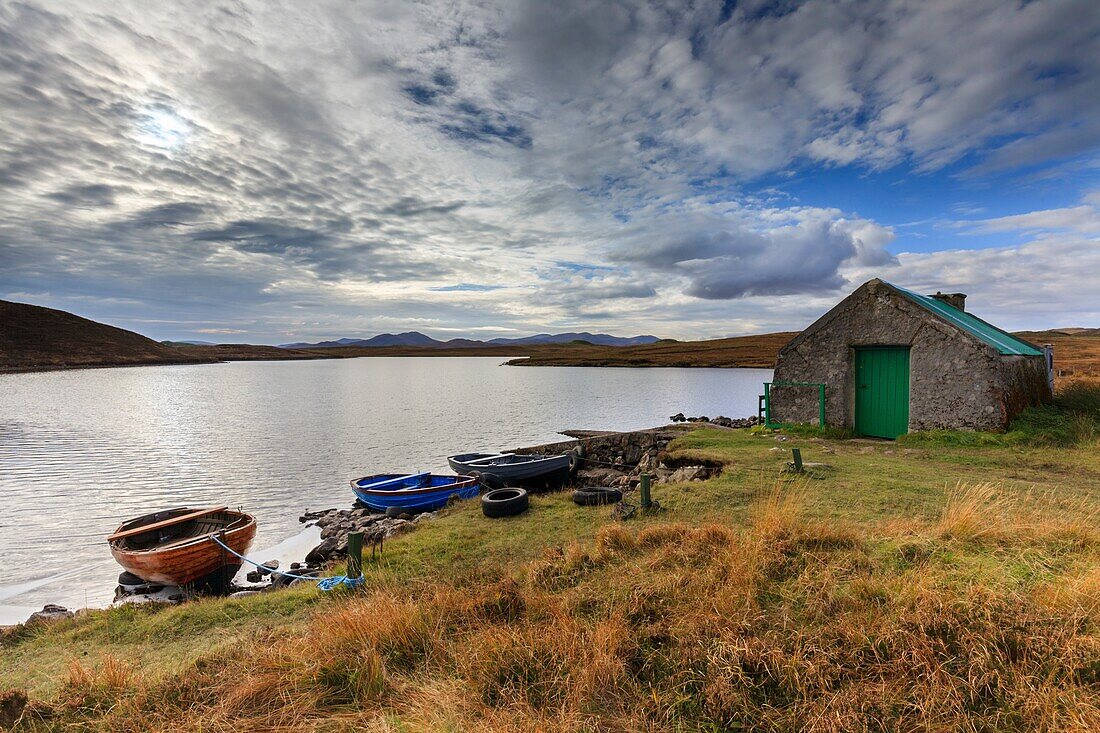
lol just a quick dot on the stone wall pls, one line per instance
(618, 459)
(956, 381)
(624, 449)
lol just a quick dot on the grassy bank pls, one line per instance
(932, 585)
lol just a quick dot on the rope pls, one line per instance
(322, 583)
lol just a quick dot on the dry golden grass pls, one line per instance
(785, 624)
(985, 512)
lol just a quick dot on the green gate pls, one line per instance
(882, 391)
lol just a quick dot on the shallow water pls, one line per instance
(82, 450)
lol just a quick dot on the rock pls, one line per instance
(243, 593)
(678, 417)
(282, 581)
(689, 473)
(322, 552)
(253, 576)
(49, 612)
(131, 585)
(598, 477)
(12, 703)
(295, 565)
(266, 567)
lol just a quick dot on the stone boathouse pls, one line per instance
(893, 361)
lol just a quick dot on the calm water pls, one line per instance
(81, 450)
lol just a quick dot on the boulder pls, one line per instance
(49, 612)
(243, 593)
(322, 552)
(282, 581)
(688, 473)
(598, 476)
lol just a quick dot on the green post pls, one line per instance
(821, 405)
(797, 454)
(644, 488)
(355, 554)
(768, 404)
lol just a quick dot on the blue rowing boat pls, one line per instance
(418, 491)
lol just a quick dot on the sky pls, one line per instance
(268, 172)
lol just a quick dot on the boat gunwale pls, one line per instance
(462, 482)
(118, 547)
(480, 462)
(397, 477)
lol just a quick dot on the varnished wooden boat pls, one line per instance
(174, 547)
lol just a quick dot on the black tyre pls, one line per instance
(596, 496)
(488, 480)
(504, 502)
(575, 457)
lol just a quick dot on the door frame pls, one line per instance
(854, 383)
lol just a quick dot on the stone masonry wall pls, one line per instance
(955, 380)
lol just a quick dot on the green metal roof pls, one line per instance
(1000, 340)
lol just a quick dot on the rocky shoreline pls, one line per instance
(606, 459)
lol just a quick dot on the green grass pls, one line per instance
(880, 503)
(1073, 419)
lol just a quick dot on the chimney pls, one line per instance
(955, 300)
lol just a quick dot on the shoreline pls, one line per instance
(625, 452)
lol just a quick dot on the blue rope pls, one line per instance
(322, 583)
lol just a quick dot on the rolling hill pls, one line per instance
(33, 337)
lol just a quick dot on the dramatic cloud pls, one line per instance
(280, 171)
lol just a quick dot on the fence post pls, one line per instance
(644, 488)
(821, 405)
(355, 554)
(797, 454)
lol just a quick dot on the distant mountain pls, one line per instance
(323, 344)
(409, 338)
(599, 339)
(188, 343)
(415, 338)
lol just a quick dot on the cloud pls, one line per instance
(760, 252)
(522, 165)
(1083, 218)
(91, 194)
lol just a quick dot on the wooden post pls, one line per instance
(355, 554)
(644, 488)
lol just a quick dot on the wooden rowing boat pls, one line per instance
(174, 547)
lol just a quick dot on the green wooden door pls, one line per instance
(882, 391)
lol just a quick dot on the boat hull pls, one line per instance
(513, 469)
(187, 562)
(418, 492)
